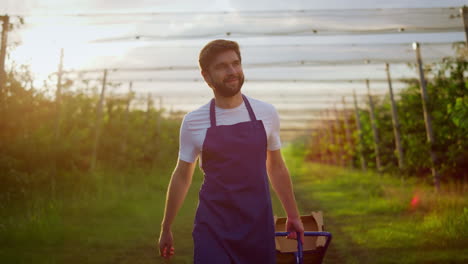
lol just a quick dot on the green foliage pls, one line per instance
(43, 143)
(448, 107)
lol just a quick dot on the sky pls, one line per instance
(274, 33)
(71, 6)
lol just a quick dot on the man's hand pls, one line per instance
(294, 226)
(166, 250)
(180, 182)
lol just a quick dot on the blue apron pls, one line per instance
(234, 219)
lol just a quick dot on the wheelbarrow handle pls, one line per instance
(300, 255)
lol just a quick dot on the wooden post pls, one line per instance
(316, 140)
(329, 140)
(327, 134)
(464, 16)
(159, 121)
(129, 100)
(348, 134)
(331, 129)
(126, 118)
(375, 133)
(58, 120)
(149, 103)
(427, 117)
(58, 98)
(322, 135)
(160, 103)
(3, 46)
(361, 136)
(341, 146)
(324, 145)
(149, 107)
(396, 124)
(97, 127)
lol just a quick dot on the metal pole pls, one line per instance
(348, 134)
(374, 129)
(427, 116)
(464, 16)
(396, 124)
(361, 136)
(98, 121)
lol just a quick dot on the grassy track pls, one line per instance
(380, 219)
(370, 217)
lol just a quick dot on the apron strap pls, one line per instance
(249, 108)
(213, 112)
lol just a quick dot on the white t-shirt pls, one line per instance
(197, 122)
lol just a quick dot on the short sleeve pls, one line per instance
(187, 149)
(274, 140)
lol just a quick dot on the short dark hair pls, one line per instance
(213, 48)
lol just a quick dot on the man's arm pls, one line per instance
(180, 182)
(281, 182)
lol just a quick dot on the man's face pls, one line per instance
(225, 74)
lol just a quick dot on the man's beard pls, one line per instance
(224, 90)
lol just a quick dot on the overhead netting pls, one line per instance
(185, 25)
(166, 58)
(288, 38)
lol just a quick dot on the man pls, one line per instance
(237, 139)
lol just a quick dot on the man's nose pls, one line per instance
(231, 69)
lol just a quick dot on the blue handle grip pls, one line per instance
(300, 255)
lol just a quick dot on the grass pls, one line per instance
(381, 219)
(95, 227)
(117, 219)
(117, 222)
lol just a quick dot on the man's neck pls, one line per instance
(228, 102)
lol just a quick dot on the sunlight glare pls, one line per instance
(40, 47)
